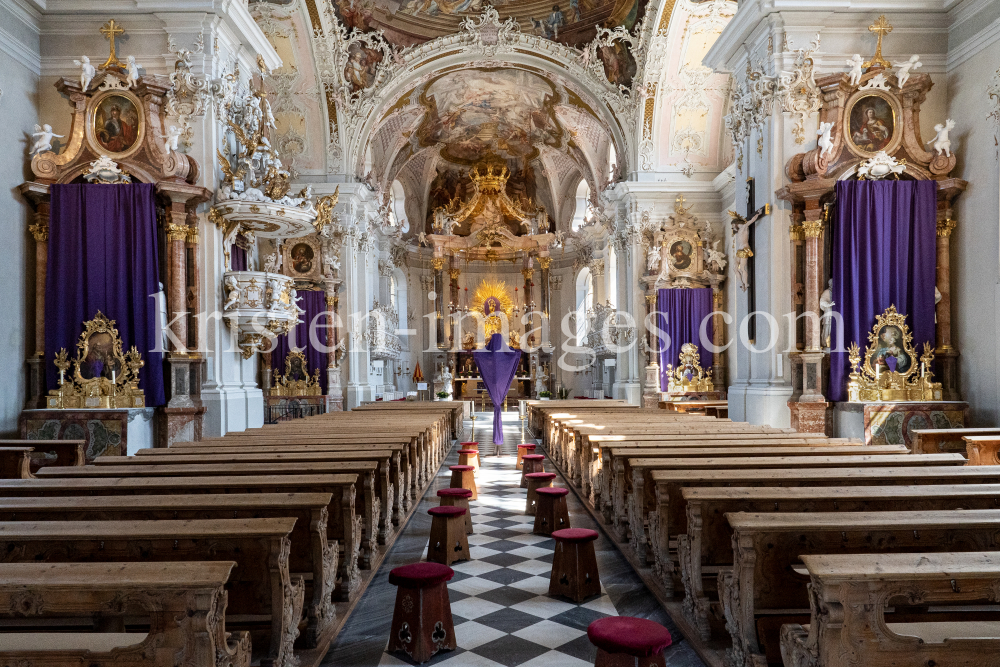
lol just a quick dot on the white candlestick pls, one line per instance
(878, 372)
(113, 378)
(923, 369)
(62, 377)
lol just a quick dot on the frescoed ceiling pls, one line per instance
(410, 22)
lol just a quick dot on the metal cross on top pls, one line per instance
(881, 28)
(111, 30)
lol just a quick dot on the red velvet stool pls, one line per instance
(532, 463)
(469, 457)
(448, 541)
(458, 498)
(536, 480)
(574, 565)
(522, 449)
(469, 445)
(626, 641)
(422, 623)
(550, 511)
(464, 477)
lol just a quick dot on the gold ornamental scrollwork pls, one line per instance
(946, 227)
(812, 229)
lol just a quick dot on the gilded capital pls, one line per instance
(945, 227)
(812, 229)
(544, 262)
(175, 231)
(454, 273)
(330, 301)
(437, 263)
(215, 217)
(40, 230)
(192, 235)
(795, 233)
(527, 273)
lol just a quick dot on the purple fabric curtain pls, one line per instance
(238, 258)
(497, 366)
(314, 303)
(680, 312)
(884, 253)
(103, 256)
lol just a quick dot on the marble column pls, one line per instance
(438, 265)
(454, 305)
(718, 338)
(651, 391)
(334, 389)
(38, 195)
(527, 273)
(947, 356)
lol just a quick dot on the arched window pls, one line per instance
(584, 302)
(582, 201)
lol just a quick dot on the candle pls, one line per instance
(878, 372)
(62, 377)
(113, 377)
(923, 369)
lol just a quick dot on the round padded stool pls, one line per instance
(448, 541)
(422, 623)
(469, 457)
(550, 511)
(623, 640)
(536, 480)
(574, 565)
(458, 498)
(522, 449)
(532, 463)
(464, 477)
(469, 445)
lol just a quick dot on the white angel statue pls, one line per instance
(653, 259)
(295, 298)
(716, 256)
(132, 67)
(903, 71)
(273, 293)
(87, 72)
(825, 141)
(826, 304)
(942, 142)
(171, 138)
(44, 135)
(856, 62)
(233, 289)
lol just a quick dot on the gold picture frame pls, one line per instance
(873, 122)
(122, 130)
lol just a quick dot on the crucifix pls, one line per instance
(111, 30)
(744, 246)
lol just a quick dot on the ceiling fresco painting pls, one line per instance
(411, 22)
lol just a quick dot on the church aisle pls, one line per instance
(502, 613)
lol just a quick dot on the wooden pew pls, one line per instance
(366, 488)
(707, 545)
(669, 519)
(762, 592)
(184, 602)
(933, 441)
(387, 509)
(310, 511)
(15, 462)
(851, 593)
(983, 450)
(261, 584)
(344, 526)
(691, 406)
(52, 452)
(631, 507)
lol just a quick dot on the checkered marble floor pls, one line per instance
(499, 599)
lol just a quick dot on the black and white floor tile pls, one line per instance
(499, 600)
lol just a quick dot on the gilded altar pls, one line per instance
(890, 369)
(103, 377)
(688, 378)
(296, 381)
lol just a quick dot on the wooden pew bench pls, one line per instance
(262, 593)
(344, 526)
(707, 545)
(632, 505)
(983, 450)
(936, 440)
(850, 595)
(182, 603)
(386, 478)
(52, 452)
(762, 591)
(318, 563)
(668, 521)
(366, 488)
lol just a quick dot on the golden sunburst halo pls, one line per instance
(495, 291)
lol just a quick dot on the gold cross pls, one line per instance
(881, 28)
(110, 30)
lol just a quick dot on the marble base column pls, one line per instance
(651, 387)
(38, 195)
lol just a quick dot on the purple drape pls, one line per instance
(497, 366)
(680, 312)
(103, 257)
(238, 258)
(884, 253)
(314, 303)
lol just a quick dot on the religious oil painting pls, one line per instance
(619, 64)
(873, 124)
(483, 111)
(362, 62)
(303, 258)
(680, 255)
(890, 353)
(100, 360)
(117, 124)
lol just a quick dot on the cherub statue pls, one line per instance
(271, 263)
(652, 259)
(171, 138)
(87, 72)
(43, 143)
(903, 71)
(942, 144)
(422, 239)
(294, 299)
(132, 68)
(233, 289)
(825, 141)
(716, 256)
(856, 62)
(273, 293)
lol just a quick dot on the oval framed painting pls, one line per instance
(116, 126)
(874, 122)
